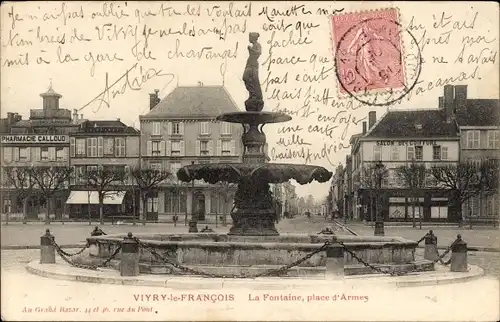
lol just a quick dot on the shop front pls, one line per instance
(82, 204)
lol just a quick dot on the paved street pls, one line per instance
(75, 233)
(480, 236)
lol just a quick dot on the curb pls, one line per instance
(65, 272)
(26, 247)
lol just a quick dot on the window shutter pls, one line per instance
(7, 156)
(198, 147)
(169, 128)
(72, 147)
(73, 175)
(209, 127)
(181, 128)
(233, 147)
(52, 153)
(37, 153)
(219, 147)
(16, 154)
(181, 143)
(99, 146)
(89, 147)
(149, 148)
(210, 148)
(168, 150)
(65, 154)
(28, 154)
(162, 148)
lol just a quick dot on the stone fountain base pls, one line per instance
(230, 254)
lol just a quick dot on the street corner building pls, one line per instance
(460, 129)
(179, 130)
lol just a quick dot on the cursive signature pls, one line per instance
(126, 82)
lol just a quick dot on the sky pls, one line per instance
(294, 43)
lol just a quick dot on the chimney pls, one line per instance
(372, 118)
(75, 115)
(81, 116)
(460, 97)
(441, 102)
(364, 127)
(153, 99)
(10, 118)
(449, 101)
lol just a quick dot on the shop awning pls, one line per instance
(92, 197)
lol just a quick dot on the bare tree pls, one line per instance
(462, 179)
(21, 179)
(368, 183)
(147, 181)
(103, 180)
(373, 177)
(412, 176)
(50, 180)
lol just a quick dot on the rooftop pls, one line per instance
(479, 112)
(194, 101)
(413, 123)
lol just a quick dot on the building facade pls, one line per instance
(103, 144)
(180, 130)
(479, 125)
(428, 137)
(41, 141)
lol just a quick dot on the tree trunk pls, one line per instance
(101, 210)
(413, 209)
(134, 210)
(47, 213)
(25, 210)
(144, 210)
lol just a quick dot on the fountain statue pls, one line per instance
(253, 243)
(254, 213)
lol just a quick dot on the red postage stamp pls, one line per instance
(368, 53)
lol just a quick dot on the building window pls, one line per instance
(156, 128)
(204, 148)
(44, 154)
(176, 128)
(436, 152)
(24, 154)
(394, 153)
(92, 147)
(60, 154)
(176, 148)
(108, 146)
(120, 147)
(204, 128)
(155, 148)
(491, 208)
(473, 139)
(80, 175)
(80, 147)
(226, 147)
(444, 153)
(493, 140)
(419, 155)
(153, 204)
(226, 128)
(377, 153)
(410, 153)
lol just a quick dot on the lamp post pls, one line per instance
(379, 220)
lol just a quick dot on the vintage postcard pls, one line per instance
(217, 160)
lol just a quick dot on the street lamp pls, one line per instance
(379, 220)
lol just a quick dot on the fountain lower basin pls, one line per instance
(230, 254)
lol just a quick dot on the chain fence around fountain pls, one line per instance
(66, 256)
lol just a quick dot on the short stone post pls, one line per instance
(459, 255)
(47, 249)
(334, 265)
(129, 265)
(193, 226)
(430, 252)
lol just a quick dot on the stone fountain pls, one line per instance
(253, 244)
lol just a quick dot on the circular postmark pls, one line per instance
(370, 63)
